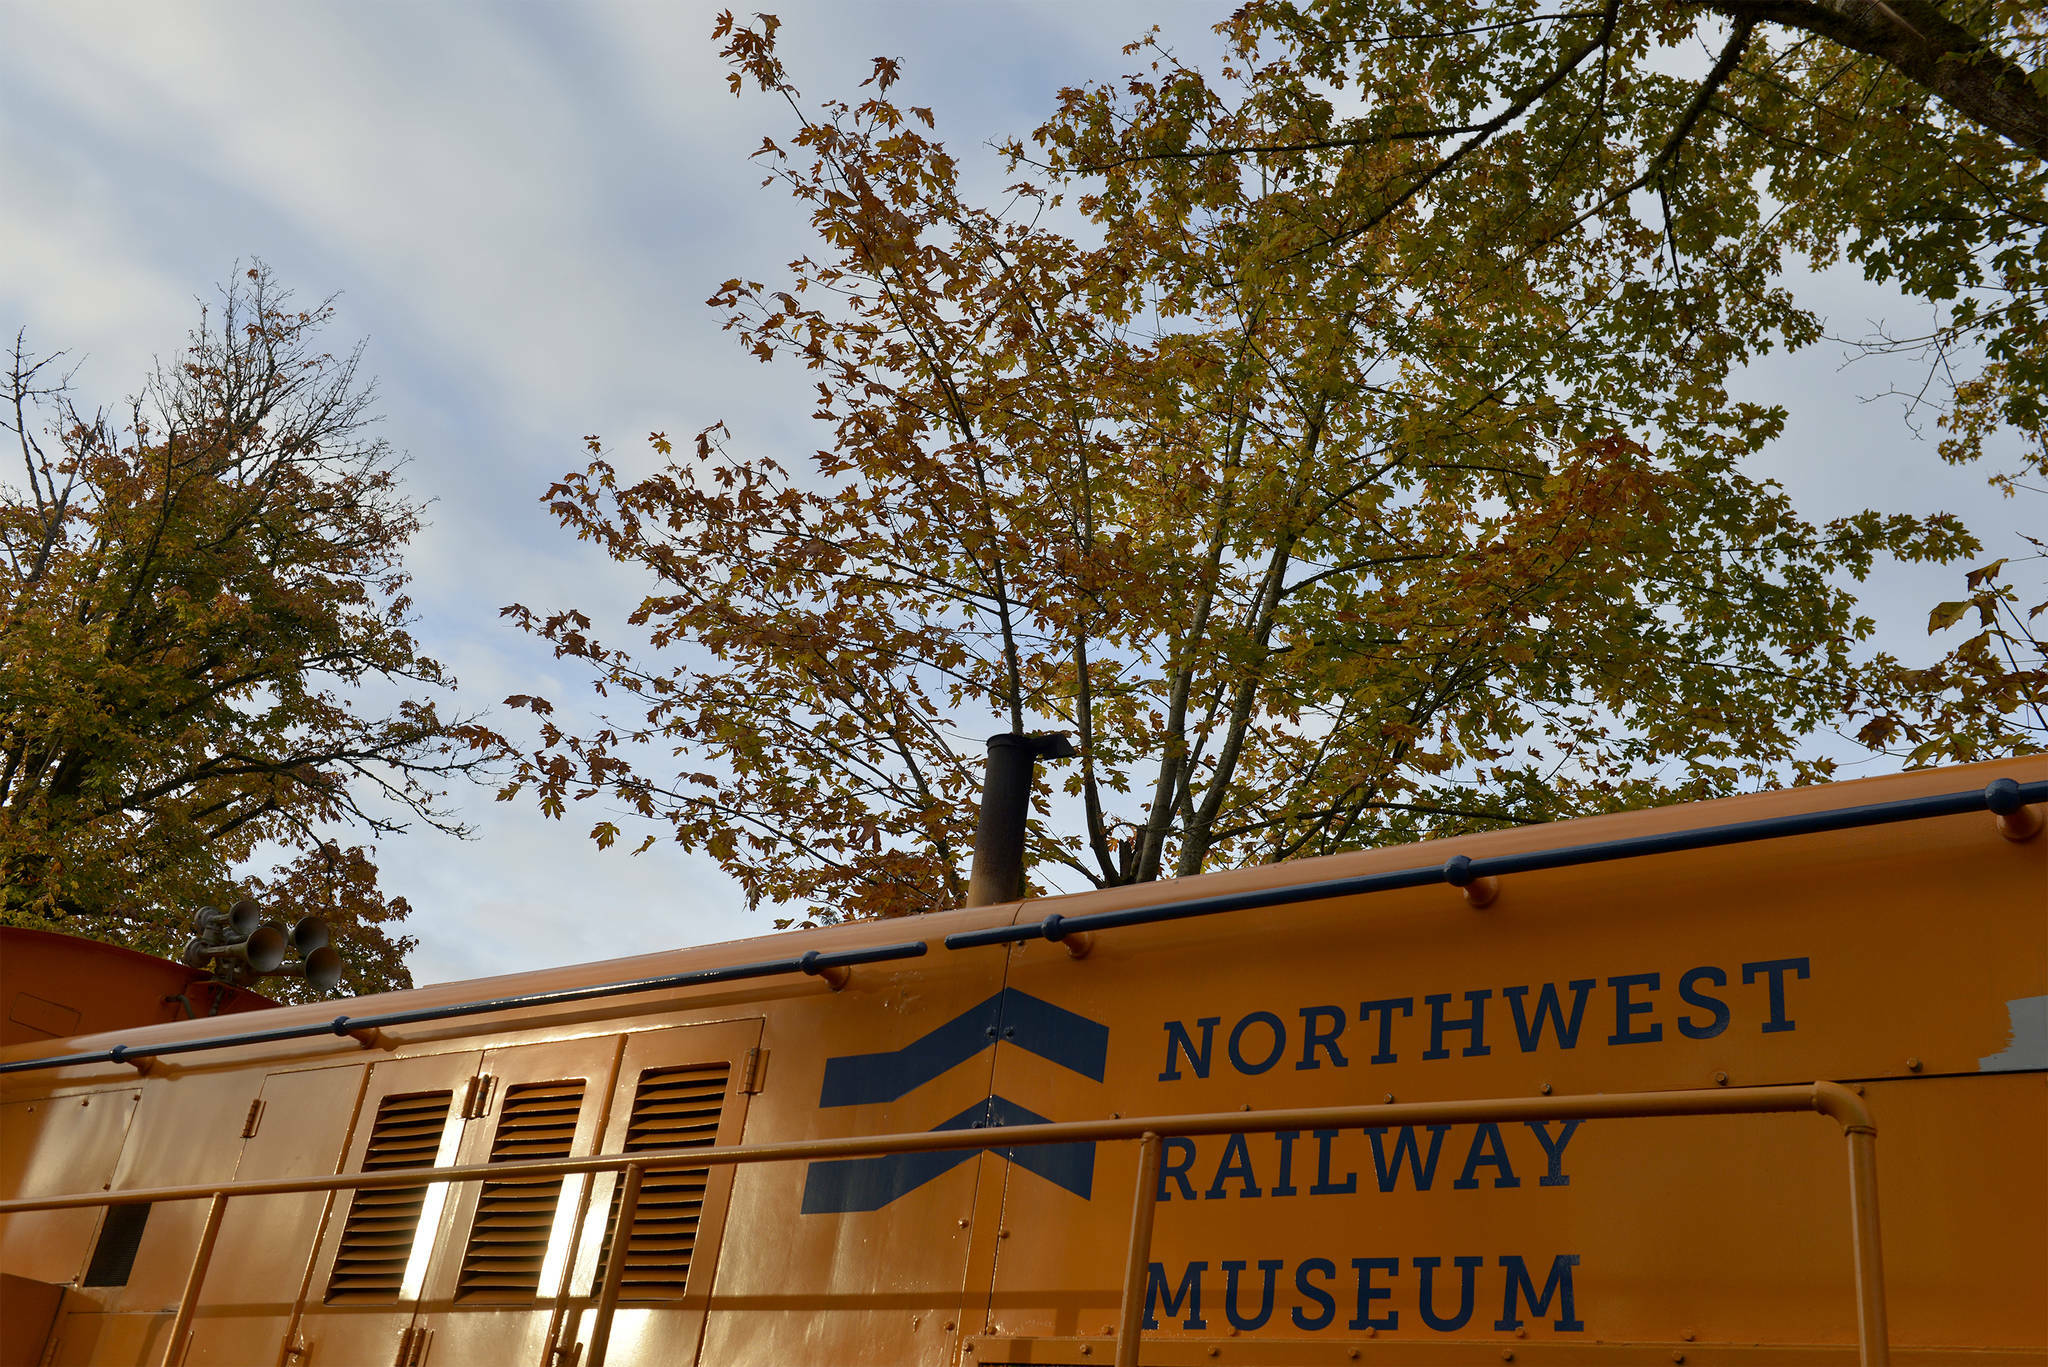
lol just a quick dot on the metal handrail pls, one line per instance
(1827, 1098)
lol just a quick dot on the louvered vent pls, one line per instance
(674, 1108)
(515, 1216)
(377, 1240)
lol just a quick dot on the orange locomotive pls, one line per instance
(1759, 1081)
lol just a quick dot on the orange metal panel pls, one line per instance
(888, 1285)
(92, 1339)
(58, 1144)
(189, 1131)
(265, 1247)
(1905, 952)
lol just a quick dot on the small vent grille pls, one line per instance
(514, 1217)
(674, 1108)
(377, 1240)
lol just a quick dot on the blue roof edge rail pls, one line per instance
(2001, 796)
(809, 963)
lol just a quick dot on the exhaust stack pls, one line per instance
(998, 874)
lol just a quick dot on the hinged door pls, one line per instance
(297, 1127)
(493, 1289)
(372, 1267)
(677, 1088)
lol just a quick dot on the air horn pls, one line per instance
(241, 947)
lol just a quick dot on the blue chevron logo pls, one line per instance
(1053, 1033)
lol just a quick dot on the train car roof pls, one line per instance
(932, 929)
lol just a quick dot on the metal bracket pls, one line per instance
(478, 1095)
(752, 1070)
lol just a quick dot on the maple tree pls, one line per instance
(1311, 532)
(196, 587)
(1908, 141)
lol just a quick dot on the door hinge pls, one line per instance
(253, 1119)
(476, 1100)
(753, 1070)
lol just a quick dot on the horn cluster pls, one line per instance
(241, 947)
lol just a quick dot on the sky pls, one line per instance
(522, 208)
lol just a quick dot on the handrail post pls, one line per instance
(1144, 1204)
(615, 1263)
(1873, 1333)
(188, 1304)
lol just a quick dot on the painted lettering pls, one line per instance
(1530, 1031)
(1269, 1269)
(1474, 1024)
(1236, 1164)
(1179, 1041)
(1385, 1010)
(1553, 1149)
(1325, 1302)
(1157, 1299)
(1324, 1186)
(1368, 1293)
(1381, 1297)
(1176, 1156)
(1777, 969)
(1515, 1273)
(1468, 1275)
(1421, 1170)
(1313, 1039)
(1487, 1151)
(1237, 1057)
(1285, 1186)
(1626, 1010)
(1689, 993)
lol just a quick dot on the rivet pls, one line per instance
(990, 1032)
(963, 1225)
(1521, 1333)
(1912, 1065)
(1351, 1353)
(1246, 1107)
(1215, 1352)
(1507, 1355)
(1687, 1336)
(1678, 1357)
(1002, 1234)
(1087, 1349)
(1545, 1089)
(1720, 1079)
(1116, 1115)
(1389, 1098)
(1009, 1032)
(949, 1326)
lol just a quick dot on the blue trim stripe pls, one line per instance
(842, 1185)
(1053, 1033)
